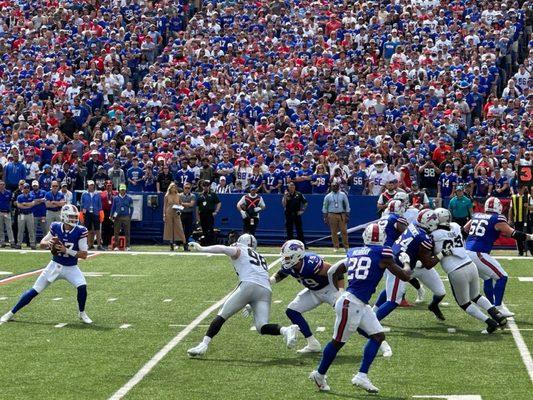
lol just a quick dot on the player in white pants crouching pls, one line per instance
(462, 273)
(68, 242)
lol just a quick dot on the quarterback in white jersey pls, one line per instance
(462, 272)
(253, 290)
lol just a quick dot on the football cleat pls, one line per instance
(197, 351)
(491, 325)
(6, 317)
(434, 308)
(363, 382)
(313, 347)
(291, 336)
(85, 318)
(504, 311)
(420, 293)
(385, 349)
(320, 381)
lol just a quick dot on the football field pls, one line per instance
(148, 309)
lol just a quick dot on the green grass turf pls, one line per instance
(79, 362)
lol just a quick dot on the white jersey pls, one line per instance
(251, 267)
(378, 179)
(411, 214)
(451, 239)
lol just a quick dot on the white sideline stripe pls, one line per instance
(145, 370)
(124, 326)
(6, 273)
(186, 254)
(522, 347)
(525, 278)
(62, 325)
(320, 328)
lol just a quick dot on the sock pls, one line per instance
(299, 320)
(475, 312)
(484, 303)
(488, 287)
(436, 300)
(415, 283)
(362, 333)
(215, 326)
(385, 309)
(82, 297)
(499, 290)
(24, 300)
(206, 340)
(271, 329)
(370, 352)
(381, 299)
(328, 355)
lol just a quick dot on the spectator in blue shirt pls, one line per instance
(39, 207)
(91, 207)
(303, 178)
(5, 215)
(46, 178)
(25, 221)
(135, 175)
(55, 199)
(14, 172)
(121, 212)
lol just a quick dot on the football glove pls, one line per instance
(243, 214)
(247, 311)
(404, 258)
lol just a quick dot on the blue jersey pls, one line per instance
(357, 183)
(285, 176)
(483, 233)
(447, 182)
(321, 183)
(182, 177)
(271, 180)
(71, 239)
(410, 241)
(389, 222)
(364, 272)
(308, 274)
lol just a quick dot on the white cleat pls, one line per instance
(313, 347)
(363, 382)
(420, 293)
(85, 318)
(320, 381)
(385, 349)
(197, 351)
(291, 336)
(6, 317)
(504, 311)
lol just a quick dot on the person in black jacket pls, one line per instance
(208, 207)
(294, 204)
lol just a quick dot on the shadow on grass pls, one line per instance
(71, 325)
(440, 333)
(311, 361)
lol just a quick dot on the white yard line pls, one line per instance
(522, 347)
(145, 370)
(124, 326)
(62, 325)
(525, 278)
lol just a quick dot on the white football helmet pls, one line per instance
(444, 216)
(427, 219)
(374, 234)
(493, 205)
(402, 196)
(396, 207)
(70, 215)
(292, 251)
(247, 240)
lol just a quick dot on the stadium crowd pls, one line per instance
(424, 95)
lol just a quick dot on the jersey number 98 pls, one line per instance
(257, 259)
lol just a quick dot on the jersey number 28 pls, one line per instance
(359, 268)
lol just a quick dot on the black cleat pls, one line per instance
(434, 308)
(491, 325)
(498, 317)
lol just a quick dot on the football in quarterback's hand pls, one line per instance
(55, 246)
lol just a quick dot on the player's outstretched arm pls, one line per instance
(336, 273)
(505, 229)
(403, 273)
(277, 277)
(230, 251)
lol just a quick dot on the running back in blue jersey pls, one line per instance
(71, 240)
(409, 242)
(308, 274)
(388, 222)
(483, 233)
(364, 272)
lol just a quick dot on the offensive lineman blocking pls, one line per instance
(253, 289)
(68, 242)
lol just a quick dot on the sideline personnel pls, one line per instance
(336, 210)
